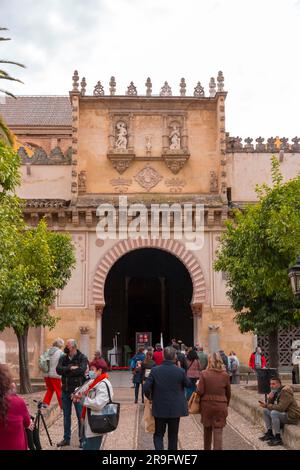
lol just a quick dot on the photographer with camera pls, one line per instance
(72, 367)
(14, 416)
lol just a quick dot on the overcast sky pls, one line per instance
(255, 43)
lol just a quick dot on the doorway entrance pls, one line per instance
(147, 289)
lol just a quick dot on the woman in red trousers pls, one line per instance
(14, 416)
(52, 379)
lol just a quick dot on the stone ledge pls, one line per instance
(246, 404)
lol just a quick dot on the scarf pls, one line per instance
(92, 385)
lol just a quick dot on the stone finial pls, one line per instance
(131, 90)
(198, 90)
(83, 86)
(212, 87)
(75, 79)
(165, 90)
(284, 144)
(182, 87)
(148, 86)
(249, 145)
(112, 86)
(296, 144)
(220, 80)
(260, 146)
(271, 147)
(98, 90)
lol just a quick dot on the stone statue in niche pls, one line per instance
(121, 135)
(175, 138)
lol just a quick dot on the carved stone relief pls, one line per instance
(148, 177)
(121, 185)
(213, 182)
(175, 184)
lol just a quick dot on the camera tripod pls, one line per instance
(39, 417)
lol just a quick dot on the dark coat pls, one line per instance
(214, 389)
(165, 386)
(72, 379)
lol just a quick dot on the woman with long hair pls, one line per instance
(14, 416)
(214, 390)
(193, 371)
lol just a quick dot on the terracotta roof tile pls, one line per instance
(37, 111)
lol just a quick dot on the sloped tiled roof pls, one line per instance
(37, 111)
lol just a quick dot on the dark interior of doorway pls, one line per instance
(147, 289)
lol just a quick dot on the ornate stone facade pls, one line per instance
(163, 147)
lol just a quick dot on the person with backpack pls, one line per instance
(48, 362)
(233, 368)
(224, 359)
(180, 357)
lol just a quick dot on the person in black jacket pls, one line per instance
(72, 367)
(165, 387)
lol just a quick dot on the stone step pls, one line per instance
(245, 402)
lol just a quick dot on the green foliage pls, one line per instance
(9, 169)
(41, 262)
(259, 245)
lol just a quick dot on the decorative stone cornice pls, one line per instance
(45, 203)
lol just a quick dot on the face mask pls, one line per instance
(275, 390)
(92, 374)
(66, 350)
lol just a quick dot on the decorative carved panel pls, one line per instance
(285, 339)
(148, 177)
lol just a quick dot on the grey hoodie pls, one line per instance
(54, 354)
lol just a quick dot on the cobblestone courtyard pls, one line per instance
(239, 434)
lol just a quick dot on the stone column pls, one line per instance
(99, 312)
(213, 338)
(254, 342)
(197, 315)
(85, 340)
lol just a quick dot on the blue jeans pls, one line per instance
(67, 410)
(92, 443)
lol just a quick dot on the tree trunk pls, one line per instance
(273, 349)
(25, 385)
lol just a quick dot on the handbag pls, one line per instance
(194, 404)
(108, 418)
(149, 419)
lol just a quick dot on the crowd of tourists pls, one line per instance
(170, 381)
